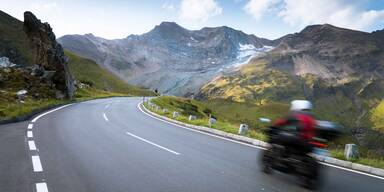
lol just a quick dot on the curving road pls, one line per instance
(110, 145)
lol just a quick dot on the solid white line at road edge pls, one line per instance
(38, 117)
(32, 145)
(105, 117)
(202, 132)
(249, 145)
(154, 144)
(41, 187)
(36, 164)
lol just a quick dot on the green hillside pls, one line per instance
(13, 40)
(88, 72)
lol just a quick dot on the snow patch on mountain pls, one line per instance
(248, 51)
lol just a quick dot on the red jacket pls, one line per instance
(305, 122)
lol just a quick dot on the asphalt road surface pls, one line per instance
(110, 145)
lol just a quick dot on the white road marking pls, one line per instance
(351, 170)
(31, 145)
(154, 144)
(36, 118)
(249, 145)
(105, 117)
(30, 126)
(41, 187)
(36, 164)
(29, 134)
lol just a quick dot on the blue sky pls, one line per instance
(264, 18)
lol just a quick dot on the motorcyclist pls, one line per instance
(297, 129)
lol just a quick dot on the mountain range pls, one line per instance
(169, 57)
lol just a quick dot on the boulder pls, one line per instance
(5, 63)
(21, 94)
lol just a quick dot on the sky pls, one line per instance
(113, 19)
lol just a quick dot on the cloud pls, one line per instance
(337, 12)
(199, 10)
(257, 8)
(299, 13)
(168, 6)
(43, 6)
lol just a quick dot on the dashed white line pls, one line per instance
(36, 118)
(41, 187)
(105, 117)
(31, 145)
(154, 144)
(30, 126)
(36, 164)
(29, 134)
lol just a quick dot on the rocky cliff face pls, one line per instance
(48, 54)
(169, 57)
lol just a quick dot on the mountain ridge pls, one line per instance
(169, 57)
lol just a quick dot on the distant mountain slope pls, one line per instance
(331, 53)
(340, 70)
(173, 59)
(91, 74)
(323, 53)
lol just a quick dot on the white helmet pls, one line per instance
(301, 105)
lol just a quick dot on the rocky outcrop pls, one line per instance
(48, 54)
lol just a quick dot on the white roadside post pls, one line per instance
(192, 117)
(211, 121)
(351, 152)
(165, 110)
(243, 129)
(175, 114)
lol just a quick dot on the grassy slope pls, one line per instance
(13, 40)
(88, 72)
(377, 116)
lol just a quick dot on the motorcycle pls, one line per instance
(298, 159)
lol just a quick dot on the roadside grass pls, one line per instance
(369, 159)
(16, 109)
(10, 108)
(230, 114)
(201, 110)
